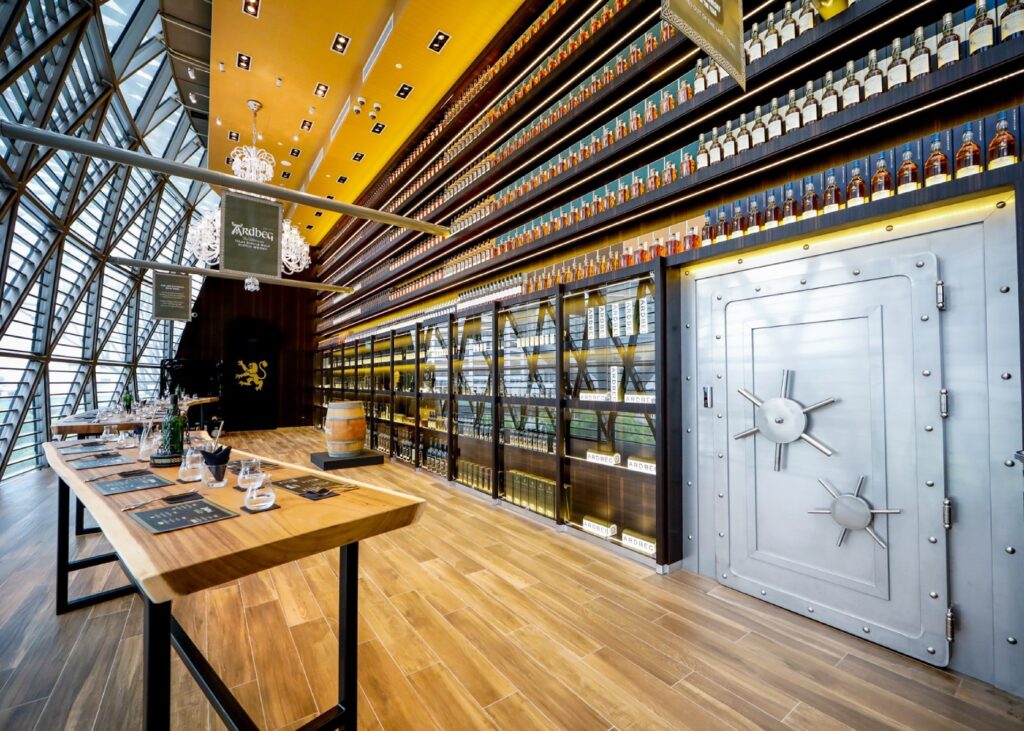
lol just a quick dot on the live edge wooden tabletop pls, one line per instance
(74, 424)
(172, 565)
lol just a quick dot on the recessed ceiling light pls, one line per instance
(358, 157)
(218, 121)
(438, 43)
(220, 65)
(191, 73)
(377, 128)
(243, 61)
(278, 81)
(295, 152)
(306, 125)
(286, 174)
(398, 65)
(286, 163)
(251, 7)
(342, 179)
(233, 136)
(192, 97)
(403, 91)
(318, 214)
(320, 89)
(295, 138)
(340, 44)
(309, 227)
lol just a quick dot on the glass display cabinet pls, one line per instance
(473, 372)
(403, 401)
(434, 403)
(349, 371)
(528, 350)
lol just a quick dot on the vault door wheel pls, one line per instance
(782, 420)
(852, 512)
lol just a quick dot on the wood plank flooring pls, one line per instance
(475, 618)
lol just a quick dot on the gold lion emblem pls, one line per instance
(252, 374)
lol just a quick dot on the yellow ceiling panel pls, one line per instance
(290, 46)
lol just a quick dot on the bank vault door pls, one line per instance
(827, 409)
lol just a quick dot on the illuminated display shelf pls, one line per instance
(935, 88)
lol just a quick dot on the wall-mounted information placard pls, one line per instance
(250, 235)
(172, 296)
(716, 26)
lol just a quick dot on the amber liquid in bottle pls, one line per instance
(881, 181)
(829, 97)
(968, 157)
(907, 176)
(832, 196)
(921, 58)
(772, 213)
(1011, 24)
(948, 49)
(723, 228)
(739, 223)
(810, 203)
(707, 231)
(1002, 149)
(856, 189)
(983, 30)
(936, 167)
(790, 206)
(691, 241)
(874, 79)
(755, 219)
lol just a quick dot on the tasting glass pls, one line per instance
(191, 469)
(126, 439)
(109, 433)
(148, 444)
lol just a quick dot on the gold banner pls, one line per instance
(716, 26)
(829, 8)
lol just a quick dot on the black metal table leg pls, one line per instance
(348, 635)
(80, 529)
(65, 565)
(156, 683)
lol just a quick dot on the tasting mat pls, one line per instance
(183, 515)
(131, 484)
(88, 464)
(85, 450)
(307, 486)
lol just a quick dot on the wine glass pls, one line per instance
(191, 469)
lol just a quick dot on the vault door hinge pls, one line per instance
(950, 624)
(947, 513)
(944, 403)
(940, 295)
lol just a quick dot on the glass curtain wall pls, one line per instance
(75, 331)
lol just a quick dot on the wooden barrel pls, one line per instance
(345, 428)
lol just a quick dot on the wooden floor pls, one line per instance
(474, 618)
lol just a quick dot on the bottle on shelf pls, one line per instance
(770, 40)
(755, 47)
(856, 189)
(700, 81)
(739, 222)
(1011, 24)
(713, 74)
(790, 206)
(755, 220)
(688, 166)
(810, 111)
(807, 17)
(675, 243)
(707, 231)
(743, 135)
(723, 228)
(692, 240)
(968, 157)
(948, 49)
(829, 97)
(851, 86)
(832, 196)
(758, 130)
(874, 79)
(1002, 148)
(936, 167)
(659, 248)
(684, 92)
(811, 205)
(792, 117)
(714, 148)
(920, 57)
(907, 176)
(983, 30)
(881, 181)
(702, 153)
(772, 213)
(788, 27)
(729, 142)
(898, 72)
(627, 259)
(775, 123)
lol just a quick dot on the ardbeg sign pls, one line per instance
(251, 235)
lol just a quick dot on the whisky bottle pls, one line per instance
(684, 92)
(787, 29)
(792, 116)
(743, 135)
(898, 72)
(811, 109)
(790, 206)
(689, 165)
(936, 167)
(770, 40)
(729, 143)
(713, 74)
(755, 221)
(691, 241)
(851, 87)
(907, 177)
(983, 31)
(829, 97)
(643, 255)
(806, 19)
(948, 50)
(707, 231)
(832, 196)
(968, 157)
(739, 222)
(723, 229)
(675, 244)
(775, 123)
(714, 149)
(1011, 25)
(1002, 149)
(700, 82)
(758, 131)
(811, 204)
(755, 48)
(920, 58)
(856, 189)
(881, 181)
(702, 153)
(874, 80)
(772, 213)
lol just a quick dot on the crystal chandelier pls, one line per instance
(255, 164)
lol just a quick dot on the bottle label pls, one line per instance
(880, 194)
(712, 76)
(699, 85)
(829, 104)
(720, 238)
(936, 179)
(706, 242)
(737, 233)
(810, 113)
(907, 187)
(754, 52)
(830, 208)
(806, 21)
(968, 170)
(1011, 23)
(774, 128)
(897, 74)
(851, 95)
(752, 229)
(792, 121)
(770, 224)
(729, 148)
(809, 213)
(999, 162)
(757, 135)
(788, 32)
(714, 155)
(702, 160)
(858, 201)
(788, 219)
(872, 86)
(982, 37)
(771, 42)
(919, 66)
(742, 143)
(948, 53)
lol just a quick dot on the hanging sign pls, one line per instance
(172, 296)
(716, 26)
(830, 8)
(250, 235)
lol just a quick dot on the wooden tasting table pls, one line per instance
(77, 425)
(166, 566)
